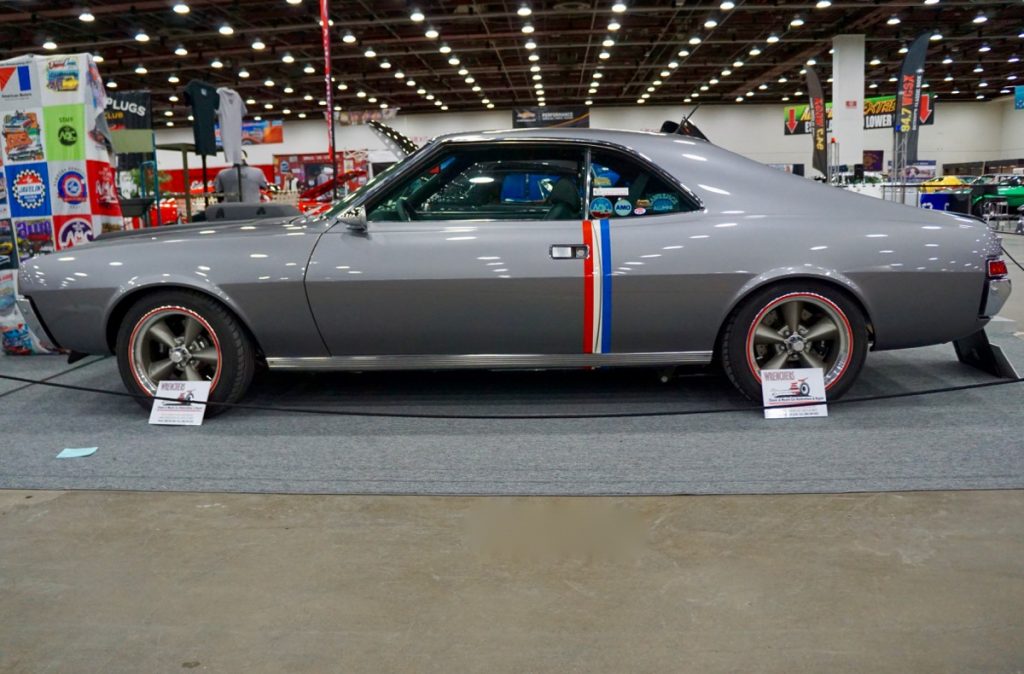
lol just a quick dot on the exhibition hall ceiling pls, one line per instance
(462, 55)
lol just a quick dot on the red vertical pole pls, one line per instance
(325, 33)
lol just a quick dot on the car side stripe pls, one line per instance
(606, 287)
(588, 289)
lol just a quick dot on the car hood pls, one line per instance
(235, 228)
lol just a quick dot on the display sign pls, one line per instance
(186, 406)
(263, 132)
(791, 387)
(302, 171)
(577, 116)
(819, 122)
(879, 113)
(873, 160)
(1018, 98)
(356, 117)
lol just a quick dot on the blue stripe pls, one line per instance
(24, 79)
(606, 287)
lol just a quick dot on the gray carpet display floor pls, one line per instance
(961, 440)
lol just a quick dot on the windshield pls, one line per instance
(346, 201)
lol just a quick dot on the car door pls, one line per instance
(478, 251)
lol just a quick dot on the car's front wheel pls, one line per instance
(795, 325)
(182, 335)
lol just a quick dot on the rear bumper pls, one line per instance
(28, 313)
(995, 296)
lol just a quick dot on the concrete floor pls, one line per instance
(136, 582)
(161, 582)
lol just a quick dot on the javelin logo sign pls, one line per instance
(597, 287)
(16, 81)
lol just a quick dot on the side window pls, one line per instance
(498, 182)
(622, 187)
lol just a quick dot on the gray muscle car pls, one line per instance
(540, 248)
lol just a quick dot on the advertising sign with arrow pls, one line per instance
(879, 113)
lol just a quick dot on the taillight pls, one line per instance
(997, 268)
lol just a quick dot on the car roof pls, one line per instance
(617, 136)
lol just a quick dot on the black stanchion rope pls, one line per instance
(498, 417)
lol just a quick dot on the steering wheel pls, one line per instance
(402, 207)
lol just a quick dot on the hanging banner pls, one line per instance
(819, 121)
(262, 132)
(1018, 98)
(577, 116)
(129, 116)
(879, 113)
(355, 117)
(909, 94)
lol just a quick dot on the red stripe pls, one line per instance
(588, 290)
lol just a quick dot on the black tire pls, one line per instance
(228, 339)
(742, 353)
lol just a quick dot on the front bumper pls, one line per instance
(995, 296)
(28, 314)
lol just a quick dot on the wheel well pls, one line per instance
(845, 292)
(125, 304)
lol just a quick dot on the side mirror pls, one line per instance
(354, 219)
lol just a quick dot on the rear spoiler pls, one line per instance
(395, 141)
(685, 127)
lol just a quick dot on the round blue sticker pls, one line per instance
(623, 207)
(601, 207)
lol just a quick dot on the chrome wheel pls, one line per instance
(800, 330)
(173, 343)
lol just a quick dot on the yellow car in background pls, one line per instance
(945, 183)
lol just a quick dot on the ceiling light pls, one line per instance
(98, 58)
(1011, 77)
(302, 115)
(650, 89)
(823, 4)
(812, 62)
(772, 39)
(604, 55)
(226, 30)
(640, 101)
(471, 79)
(243, 73)
(309, 69)
(50, 45)
(429, 97)
(170, 123)
(307, 97)
(673, 64)
(348, 37)
(796, 22)
(762, 86)
(216, 63)
(664, 73)
(417, 16)
(981, 18)
(341, 87)
(173, 79)
(750, 93)
(875, 61)
(485, 101)
(947, 60)
(140, 69)
(476, 87)
(892, 79)
(645, 96)
(258, 44)
(1013, 59)
(726, 72)
(978, 68)
(873, 85)
(711, 22)
(537, 77)
(111, 84)
(399, 75)
(288, 58)
(268, 82)
(527, 28)
(931, 2)
(694, 40)
(936, 36)
(598, 75)
(783, 80)
(893, 20)
(727, 5)
(619, 7)
(181, 8)
(538, 86)
(168, 113)
(530, 44)
(431, 33)
(86, 16)
(588, 102)
(608, 42)
(947, 78)
(683, 53)
(524, 10)
(755, 51)
(739, 99)
(737, 64)
(438, 103)
(288, 89)
(704, 87)
(421, 91)
(903, 49)
(490, 106)
(713, 81)
(140, 36)
(535, 69)
(369, 53)
(463, 72)
(454, 61)
(803, 71)
(591, 91)
(984, 48)
(385, 64)
(614, 25)
(445, 49)
(533, 57)
(980, 96)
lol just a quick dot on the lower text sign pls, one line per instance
(793, 387)
(185, 407)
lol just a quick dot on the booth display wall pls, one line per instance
(962, 132)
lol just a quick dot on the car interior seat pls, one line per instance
(564, 200)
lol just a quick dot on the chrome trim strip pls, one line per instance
(35, 326)
(996, 296)
(489, 361)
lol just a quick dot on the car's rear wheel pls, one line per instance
(795, 325)
(182, 335)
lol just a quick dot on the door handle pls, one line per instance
(570, 251)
